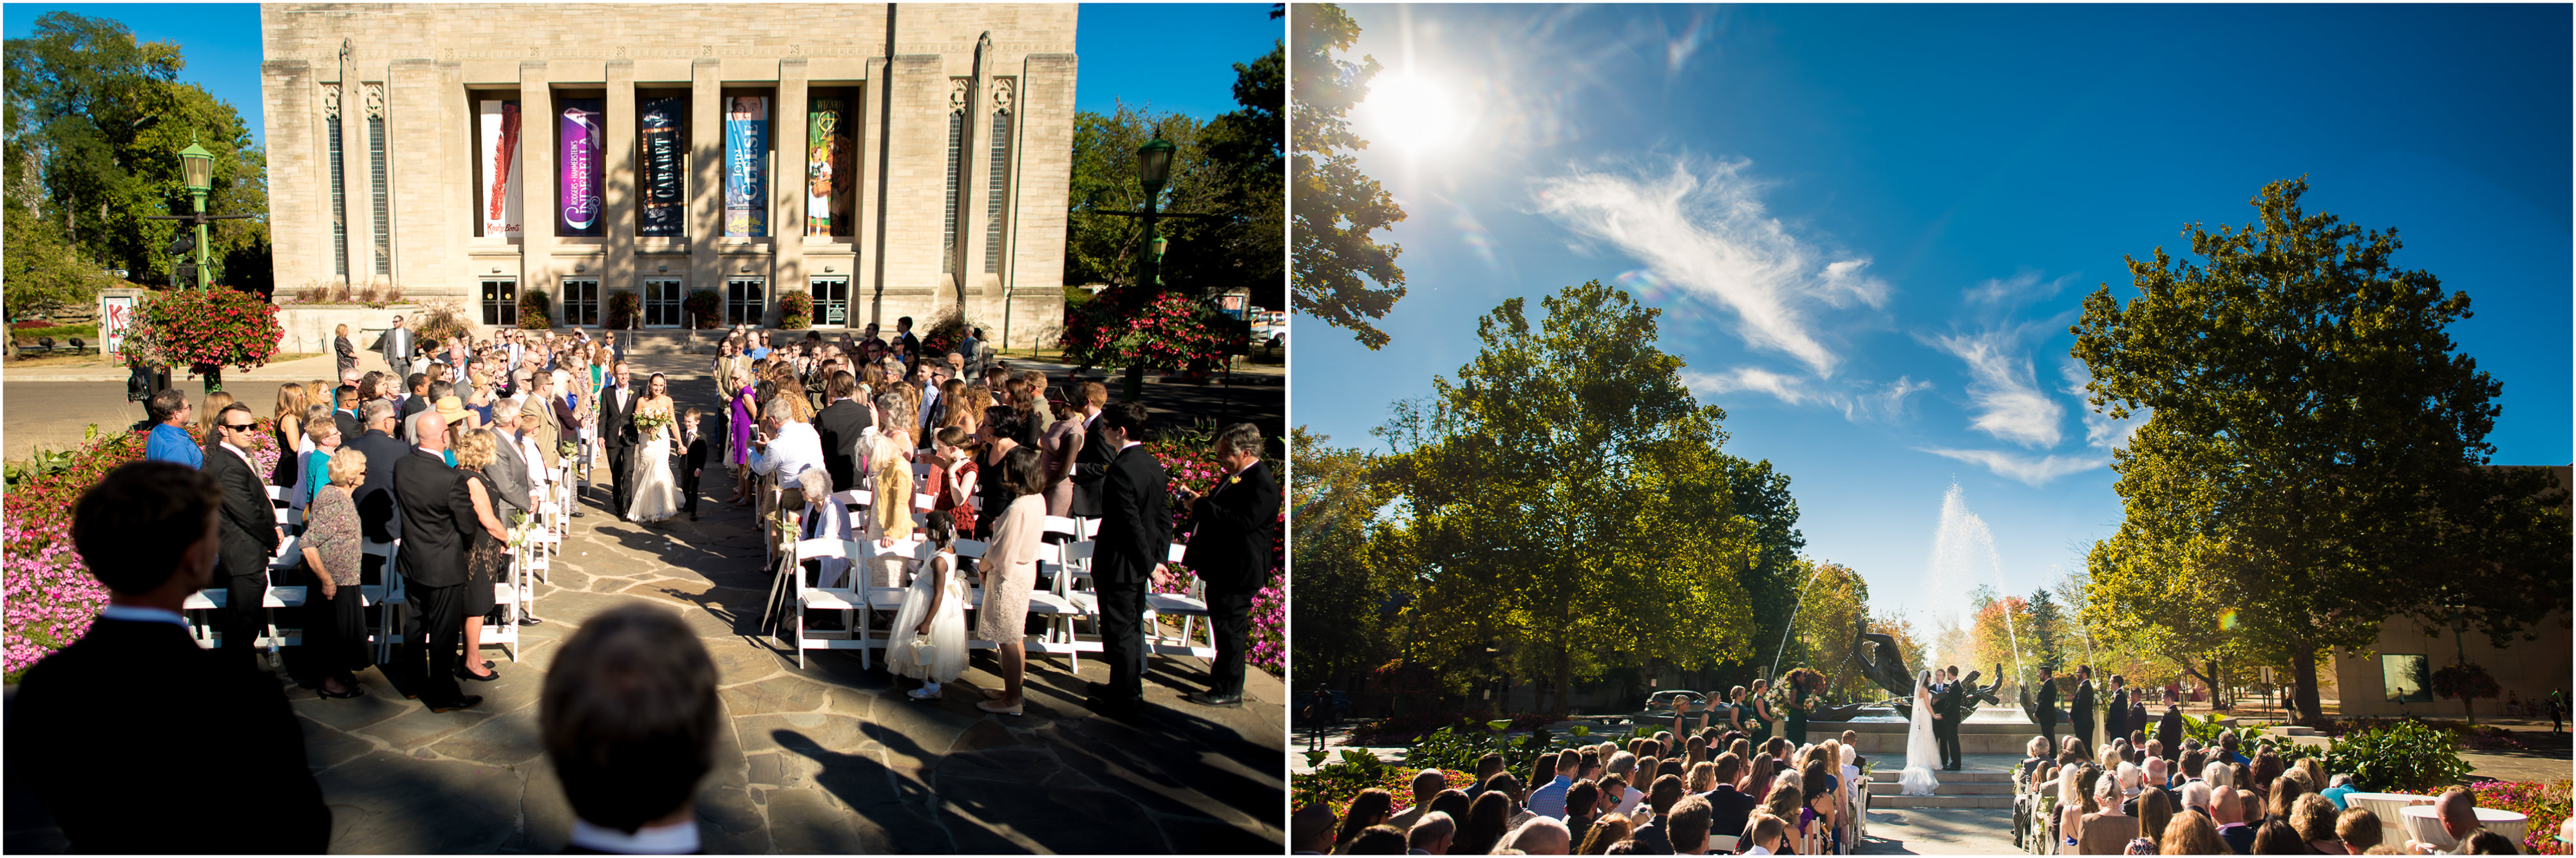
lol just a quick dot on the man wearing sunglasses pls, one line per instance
(249, 528)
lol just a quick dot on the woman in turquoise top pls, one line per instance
(325, 433)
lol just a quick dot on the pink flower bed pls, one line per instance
(51, 597)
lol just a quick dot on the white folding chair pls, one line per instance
(387, 598)
(886, 600)
(1191, 607)
(510, 594)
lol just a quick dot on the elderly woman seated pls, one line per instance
(823, 518)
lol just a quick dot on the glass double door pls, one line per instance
(831, 301)
(662, 303)
(746, 300)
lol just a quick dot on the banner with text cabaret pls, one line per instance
(665, 168)
(498, 198)
(746, 166)
(577, 169)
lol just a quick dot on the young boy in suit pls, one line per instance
(694, 432)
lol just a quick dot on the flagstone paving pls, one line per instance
(827, 758)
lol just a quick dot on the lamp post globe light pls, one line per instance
(197, 171)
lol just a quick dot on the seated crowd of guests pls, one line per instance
(1710, 793)
(2141, 796)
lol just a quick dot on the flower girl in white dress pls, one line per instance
(929, 640)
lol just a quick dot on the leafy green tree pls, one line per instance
(1772, 575)
(1343, 605)
(1102, 248)
(1229, 166)
(98, 120)
(2315, 438)
(1568, 501)
(1837, 600)
(2047, 630)
(1337, 205)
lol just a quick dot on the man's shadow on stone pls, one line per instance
(912, 817)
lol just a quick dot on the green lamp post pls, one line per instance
(1153, 169)
(197, 171)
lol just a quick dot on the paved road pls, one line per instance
(827, 758)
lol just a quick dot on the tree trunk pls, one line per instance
(2303, 669)
(1564, 675)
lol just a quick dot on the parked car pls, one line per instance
(1660, 704)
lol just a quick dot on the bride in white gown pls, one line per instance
(657, 495)
(1921, 755)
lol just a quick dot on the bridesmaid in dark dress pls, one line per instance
(487, 548)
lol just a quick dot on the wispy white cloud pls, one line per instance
(2032, 470)
(1887, 403)
(1701, 226)
(2002, 390)
(2021, 287)
(1859, 402)
(1786, 388)
(2099, 429)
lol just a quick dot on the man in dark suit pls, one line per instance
(2048, 707)
(91, 722)
(344, 412)
(617, 433)
(2115, 719)
(2080, 707)
(1135, 535)
(1230, 550)
(1729, 807)
(2169, 731)
(249, 528)
(1091, 463)
(1954, 706)
(375, 496)
(839, 424)
(435, 511)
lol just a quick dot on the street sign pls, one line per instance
(115, 316)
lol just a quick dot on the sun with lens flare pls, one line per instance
(1413, 111)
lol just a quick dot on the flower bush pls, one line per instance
(623, 307)
(1407, 729)
(795, 311)
(946, 331)
(205, 330)
(701, 306)
(1342, 781)
(2545, 803)
(2407, 755)
(50, 597)
(439, 324)
(536, 310)
(1171, 331)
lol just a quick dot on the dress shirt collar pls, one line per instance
(442, 454)
(141, 614)
(1130, 443)
(676, 839)
(237, 451)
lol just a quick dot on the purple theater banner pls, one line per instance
(664, 168)
(746, 166)
(579, 141)
(497, 201)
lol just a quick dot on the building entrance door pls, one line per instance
(581, 302)
(662, 302)
(746, 300)
(831, 302)
(501, 302)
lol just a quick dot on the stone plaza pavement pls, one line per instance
(828, 758)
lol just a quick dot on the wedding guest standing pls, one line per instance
(1135, 531)
(1230, 550)
(839, 426)
(1010, 571)
(629, 717)
(2115, 718)
(286, 424)
(170, 441)
(396, 345)
(335, 630)
(1059, 447)
(250, 530)
(487, 544)
(84, 745)
(435, 514)
(346, 351)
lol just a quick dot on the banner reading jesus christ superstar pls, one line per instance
(746, 166)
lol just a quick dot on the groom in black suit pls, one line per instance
(1954, 700)
(617, 433)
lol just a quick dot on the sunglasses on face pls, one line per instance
(239, 427)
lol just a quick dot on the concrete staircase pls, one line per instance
(1987, 790)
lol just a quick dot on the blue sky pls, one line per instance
(1175, 57)
(1869, 227)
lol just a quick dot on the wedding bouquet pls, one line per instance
(649, 423)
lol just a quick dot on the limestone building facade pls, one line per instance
(886, 159)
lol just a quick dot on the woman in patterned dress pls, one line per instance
(335, 628)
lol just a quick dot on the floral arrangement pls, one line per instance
(647, 422)
(2545, 803)
(1172, 331)
(795, 311)
(204, 330)
(51, 599)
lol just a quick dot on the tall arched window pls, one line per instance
(997, 175)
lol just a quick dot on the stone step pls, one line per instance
(1981, 802)
(1890, 776)
(1950, 787)
(2292, 730)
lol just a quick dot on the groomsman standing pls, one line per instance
(1135, 535)
(1230, 550)
(2048, 706)
(2115, 720)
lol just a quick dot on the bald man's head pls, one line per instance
(1432, 833)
